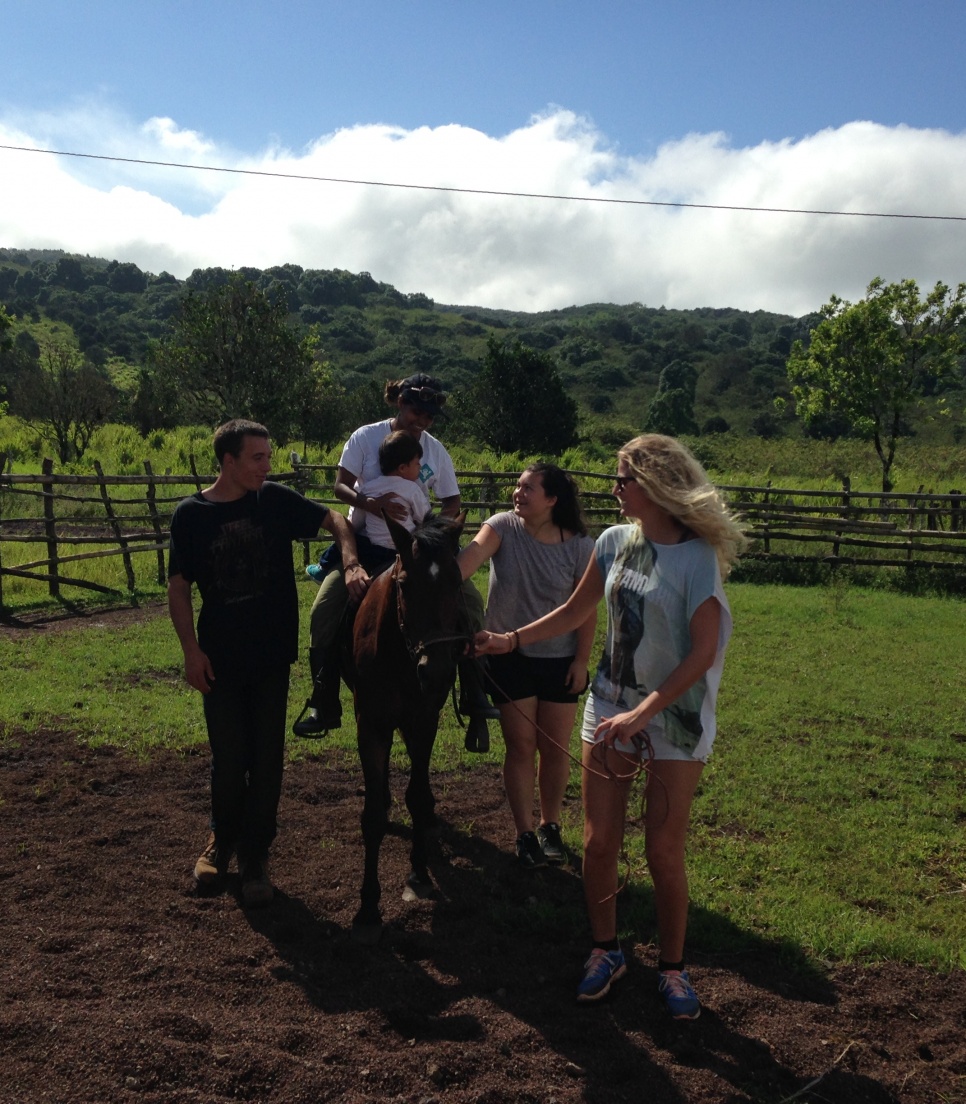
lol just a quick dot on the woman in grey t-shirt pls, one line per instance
(537, 554)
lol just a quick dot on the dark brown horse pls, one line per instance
(408, 633)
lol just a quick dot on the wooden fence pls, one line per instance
(78, 518)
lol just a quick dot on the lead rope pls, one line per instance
(643, 744)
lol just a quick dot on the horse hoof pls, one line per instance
(366, 932)
(416, 889)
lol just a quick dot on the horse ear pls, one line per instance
(401, 538)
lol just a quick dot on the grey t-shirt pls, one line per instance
(529, 578)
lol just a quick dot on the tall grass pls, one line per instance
(120, 449)
(729, 458)
(829, 823)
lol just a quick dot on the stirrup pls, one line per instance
(314, 729)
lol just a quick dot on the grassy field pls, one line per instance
(830, 822)
(730, 458)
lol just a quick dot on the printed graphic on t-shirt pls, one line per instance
(239, 561)
(426, 473)
(633, 606)
(627, 619)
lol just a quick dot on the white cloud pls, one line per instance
(499, 251)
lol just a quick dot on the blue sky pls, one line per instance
(854, 106)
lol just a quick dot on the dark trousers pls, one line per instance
(245, 715)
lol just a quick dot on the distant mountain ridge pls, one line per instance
(610, 357)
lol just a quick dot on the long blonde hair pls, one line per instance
(668, 473)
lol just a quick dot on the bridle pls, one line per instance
(418, 648)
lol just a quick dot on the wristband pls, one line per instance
(349, 567)
(515, 641)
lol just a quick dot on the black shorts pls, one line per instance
(519, 676)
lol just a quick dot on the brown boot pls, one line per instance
(212, 863)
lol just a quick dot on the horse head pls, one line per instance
(428, 599)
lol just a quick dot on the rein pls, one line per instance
(640, 740)
(601, 770)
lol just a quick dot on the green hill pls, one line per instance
(610, 357)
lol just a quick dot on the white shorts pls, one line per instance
(597, 710)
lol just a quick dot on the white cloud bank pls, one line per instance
(498, 251)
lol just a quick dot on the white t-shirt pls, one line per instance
(361, 457)
(409, 490)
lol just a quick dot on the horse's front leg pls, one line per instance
(375, 741)
(420, 802)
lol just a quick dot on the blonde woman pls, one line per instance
(653, 696)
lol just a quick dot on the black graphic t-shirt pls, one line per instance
(239, 555)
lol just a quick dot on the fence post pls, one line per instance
(764, 502)
(194, 472)
(151, 496)
(118, 535)
(50, 526)
(911, 521)
(846, 499)
(956, 512)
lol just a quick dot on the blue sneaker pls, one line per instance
(679, 998)
(316, 572)
(600, 971)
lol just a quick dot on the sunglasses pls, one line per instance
(621, 481)
(425, 395)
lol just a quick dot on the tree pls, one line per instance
(671, 411)
(157, 402)
(126, 277)
(871, 361)
(69, 273)
(233, 355)
(518, 404)
(6, 347)
(322, 418)
(66, 399)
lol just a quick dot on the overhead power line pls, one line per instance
(487, 191)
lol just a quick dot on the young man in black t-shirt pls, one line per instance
(233, 540)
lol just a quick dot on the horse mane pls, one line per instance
(435, 535)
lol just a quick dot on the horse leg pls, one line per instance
(374, 744)
(421, 805)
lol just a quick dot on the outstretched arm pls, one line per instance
(566, 618)
(486, 542)
(356, 579)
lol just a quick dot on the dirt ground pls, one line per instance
(120, 983)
